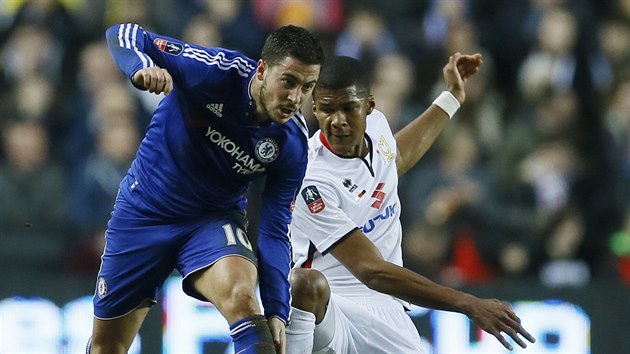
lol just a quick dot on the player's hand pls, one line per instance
(458, 69)
(278, 334)
(154, 79)
(495, 316)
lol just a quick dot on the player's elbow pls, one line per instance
(374, 275)
(112, 32)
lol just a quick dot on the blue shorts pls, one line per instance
(140, 253)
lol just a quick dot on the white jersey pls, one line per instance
(340, 194)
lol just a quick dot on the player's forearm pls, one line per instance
(273, 269)
(415, 139)
(273, 239)
(407, 285)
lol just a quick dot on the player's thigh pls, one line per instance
(117, 334)
(332, 334)
(217, 260)
(350, 326)
(392, 331)
(136, 261)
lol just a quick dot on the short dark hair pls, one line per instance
(340, 72)
(292, 41)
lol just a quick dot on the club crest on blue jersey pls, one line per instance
(313, 200)
(267, 150)
(168, 47)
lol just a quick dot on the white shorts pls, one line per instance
(366, 325)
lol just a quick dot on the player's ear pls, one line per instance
(260, 69)
(313, 101)
(370, 104)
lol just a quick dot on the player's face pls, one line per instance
(285, 87)
(341, 115)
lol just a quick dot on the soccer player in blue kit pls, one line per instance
(226, 119)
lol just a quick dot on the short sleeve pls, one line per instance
(318, 216)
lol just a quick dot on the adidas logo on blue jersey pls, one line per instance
(216, 108)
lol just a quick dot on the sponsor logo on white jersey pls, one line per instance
(379, 195)
(388, 212)
(347, 182)
(216, 108)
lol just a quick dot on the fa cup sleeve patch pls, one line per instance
(313, 200)
(168, 47)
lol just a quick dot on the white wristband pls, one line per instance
(447, 102)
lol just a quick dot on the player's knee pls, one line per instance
(309, 290)
(100, 345)
(240, 301)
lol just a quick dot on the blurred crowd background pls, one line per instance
(531, 178)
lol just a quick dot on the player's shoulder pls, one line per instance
(221, 61)
(298, 121)
(377, 125)
(314, 141)
(320, 161)
(232, 56)
(319, 174)
(315, 145)
(377, 119)
(293, 135)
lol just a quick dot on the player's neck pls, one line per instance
(364, 150)
(260, 117)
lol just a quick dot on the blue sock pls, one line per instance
(251, 335)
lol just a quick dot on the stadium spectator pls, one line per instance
(561, 264)
(36, 98)
(551, 65)
(393, 87)
(95, 188)
(321, 16)
(619, 245)
(33, 211)
(20, 60)
(366, 37)
(239, 26)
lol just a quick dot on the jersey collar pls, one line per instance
(367, 159)
(325, 142)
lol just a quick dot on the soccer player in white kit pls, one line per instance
(349, 289)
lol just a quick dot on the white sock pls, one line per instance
(300, 332)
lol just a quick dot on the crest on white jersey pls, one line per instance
(267, 150)
(384, 150)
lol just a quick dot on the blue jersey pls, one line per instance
(201, 152)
